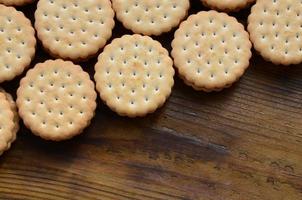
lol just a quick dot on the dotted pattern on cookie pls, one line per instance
(16, 2)
(227, 5)
(17, 43)
(6, 124)
(150, 17)
(275, 28)
(56, 99)
(134, 75)
(13, 108)
(211, 50)
(73, 29)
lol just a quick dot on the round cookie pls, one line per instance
(134, 75)
(275, 28)
(227, 5)
(7, 124)
(56, 100)
(17, 43)
(72, 29)
(14, 109)
(211, 50)
(150, 17)
(16, 2)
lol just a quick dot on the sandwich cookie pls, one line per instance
(16, 2)
(227, 5)
(150, 17)
(211, 51)
(134, 75)
(56, 100)
(74, 30)
(275, 28)
(9, 121)
(17, 43)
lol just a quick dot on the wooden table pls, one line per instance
(244, 143)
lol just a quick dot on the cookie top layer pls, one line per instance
(150, 17)
(275, 28)
(211, 50)
(16, 2)
(227, 5)
(7, 124)
(17, 43)
(134, 75)
(13, 108)
(72, 29)
(56, 99)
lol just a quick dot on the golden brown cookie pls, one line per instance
(275, 28)
(74, 30)
(7, 124)
(227, 5)
(56, 100)
(17, 43)
(211, 50)
(150, 17)
(134, 75)
(16, 2)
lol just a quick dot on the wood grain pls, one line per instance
(243, 143)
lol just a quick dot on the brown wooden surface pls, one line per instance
(244, 143)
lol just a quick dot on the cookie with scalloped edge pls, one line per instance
(16, 2)
(227, 5)
(17, 43)
(56, 100)
(7, 124)
(275, 28)
(134, 75)
(13, 108)
(211, 50)
(74, 30)
(150, 17)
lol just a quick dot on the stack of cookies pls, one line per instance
(134, 74)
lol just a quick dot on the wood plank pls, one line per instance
(243, 143)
